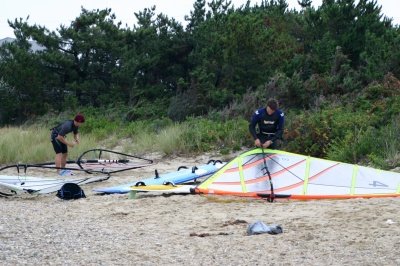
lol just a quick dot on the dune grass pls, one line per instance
(32, 145)
(167, 141)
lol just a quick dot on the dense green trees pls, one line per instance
(226, 60)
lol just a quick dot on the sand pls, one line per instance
(194, 229)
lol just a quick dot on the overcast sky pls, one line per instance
(52, 13)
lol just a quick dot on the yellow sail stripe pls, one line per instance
(227, 166)
(306, 175)
(242, 183)
(211, 179)
(235, 161)
(354, 180)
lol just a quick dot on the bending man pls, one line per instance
(60, 143)
(270, 122)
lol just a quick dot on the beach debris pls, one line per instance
(259, 227)
(390, 221)
(234, 222)
(209, 234)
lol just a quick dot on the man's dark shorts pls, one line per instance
(59, 147)
(275, 145)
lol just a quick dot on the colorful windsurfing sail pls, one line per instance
(299, 177)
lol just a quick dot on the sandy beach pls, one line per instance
(194, 229)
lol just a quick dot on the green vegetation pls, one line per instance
(32, 144)
(160, 86)
(334, 133)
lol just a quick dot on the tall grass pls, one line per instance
(32, 145)
(167, 141)
(192, 136)
(20, 145)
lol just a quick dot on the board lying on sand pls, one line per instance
(37, 185)
(169, 188)
(178, 177)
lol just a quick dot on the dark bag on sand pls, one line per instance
(70, 191)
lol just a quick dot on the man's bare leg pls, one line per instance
(58, 161)
(64, 160)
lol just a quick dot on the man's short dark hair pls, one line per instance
(273, 104)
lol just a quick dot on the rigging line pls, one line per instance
(272, 195)
(89, 171)
(18, 166)
(113, 152)
(284, 167)
(251, 159)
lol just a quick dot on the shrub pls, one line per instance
(354, 147)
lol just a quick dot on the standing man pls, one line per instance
(270, 122)
(60, 143)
